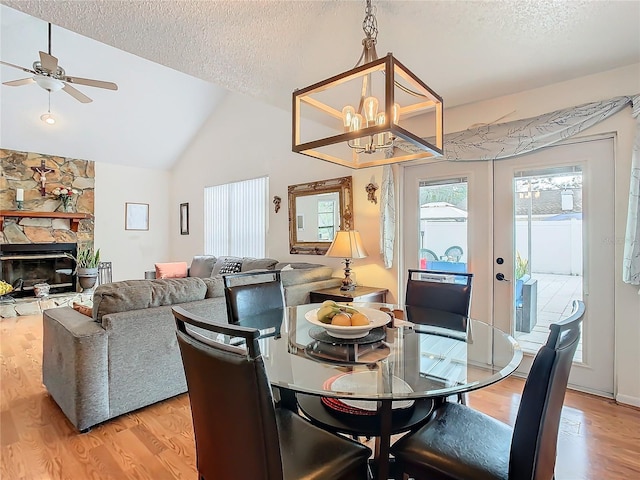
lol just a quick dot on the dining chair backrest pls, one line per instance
(251, 293)
(445, 291)
(238, 431)
(232, 406)
(535, 433)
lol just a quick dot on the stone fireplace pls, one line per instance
(35, 238)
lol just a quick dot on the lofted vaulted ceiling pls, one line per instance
(465, 50)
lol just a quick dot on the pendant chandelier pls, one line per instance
(377, 113)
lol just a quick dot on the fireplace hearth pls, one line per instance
(25, 265)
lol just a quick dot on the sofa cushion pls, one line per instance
(305, 275)
(249, 263)
(83, 309)
(138, 294)
(171, 270)
(215, 286)
(202, 266)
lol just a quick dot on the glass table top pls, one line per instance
(430, 354)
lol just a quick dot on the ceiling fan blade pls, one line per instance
(24, 69)
(48, 62)
(17, 83)
(91, 83)
(77, 94)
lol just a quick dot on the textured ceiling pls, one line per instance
(465, 50)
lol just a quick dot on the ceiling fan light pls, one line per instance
(48, 83)
(48, 118)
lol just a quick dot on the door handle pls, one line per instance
(500, 277)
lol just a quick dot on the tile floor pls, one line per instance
(555, 294)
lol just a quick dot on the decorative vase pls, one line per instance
(87, 277)
(41, 289)
(66, 204)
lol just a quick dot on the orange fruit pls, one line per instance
(342, 319)
(359, 319)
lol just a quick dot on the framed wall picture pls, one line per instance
(184, 219)
(136, 216)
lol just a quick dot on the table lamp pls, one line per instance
(347, 244)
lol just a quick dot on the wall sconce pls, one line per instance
(276, 203)
(371, 193)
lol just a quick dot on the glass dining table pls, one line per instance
(391, 377)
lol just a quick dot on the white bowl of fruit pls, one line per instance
(345, 321)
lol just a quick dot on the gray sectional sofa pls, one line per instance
(126, 356)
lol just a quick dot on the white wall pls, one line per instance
(246, 139)
(131, 252)
(243, 139)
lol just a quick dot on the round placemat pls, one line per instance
(320, 334)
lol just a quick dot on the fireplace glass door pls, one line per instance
(26, 265)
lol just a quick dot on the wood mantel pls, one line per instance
(74, 217)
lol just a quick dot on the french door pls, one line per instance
(539, 232)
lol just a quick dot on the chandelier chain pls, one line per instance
(370, 24)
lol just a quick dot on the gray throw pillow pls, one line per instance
(202, 266)
(249, 263)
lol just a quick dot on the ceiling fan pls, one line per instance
(52, 77)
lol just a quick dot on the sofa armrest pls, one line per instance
(300, 294)
(74, 366)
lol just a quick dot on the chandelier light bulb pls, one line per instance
(380, 121)
(396, 113)
(348, 113)
(370, 107)
(356, 123)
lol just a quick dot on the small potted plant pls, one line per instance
(87, 262)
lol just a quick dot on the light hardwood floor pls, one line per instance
(598, 439)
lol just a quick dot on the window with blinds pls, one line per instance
(235, 218)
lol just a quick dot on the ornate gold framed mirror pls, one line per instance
(317, 210)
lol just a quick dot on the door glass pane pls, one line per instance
(443, 225)
(548, 251)
(326, 219)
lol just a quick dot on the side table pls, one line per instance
(359, 294)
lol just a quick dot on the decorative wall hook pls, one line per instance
(276, 203)
(371, 192)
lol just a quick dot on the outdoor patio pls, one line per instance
(555, 294)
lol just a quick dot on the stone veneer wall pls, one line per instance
(15, 172)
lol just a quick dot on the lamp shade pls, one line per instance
(347, 244)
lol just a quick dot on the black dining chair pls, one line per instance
(461, 443)
(446, 291)
(251, 293)
(239, 433)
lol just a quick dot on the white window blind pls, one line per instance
(235, 218)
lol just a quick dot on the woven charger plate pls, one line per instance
(366, 382)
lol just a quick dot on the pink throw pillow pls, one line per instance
(171, 270)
